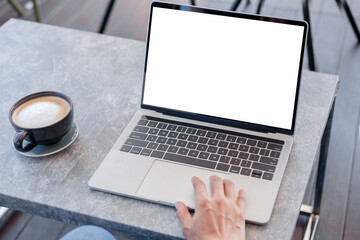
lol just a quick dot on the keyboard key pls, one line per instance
(203, 140)
(152, 124)
(163, 133)
(243, 155)
(223, 144)
(183, 151)
(254, 157)
(173, 134)
(141, 129)
(143, 122)
(171, 141)
(193, 138)
(251, 142)
(153, 145)
(263, 167)
(151, 138)
(161, 140)
(181, 129)
(221, 136)
(201, 132)
(225, 159)
(191, 145)
(139, 136)
(264, 152)
(214, 157)
(162, 147)
(231, 138)
(211, 135)
(193, 153)
(256, 174)
(171, 127)
(135, 142)
(233, 153)
(190, 160)
(162, 125)
(204, 155)
(181, 143)
(262, 144)
(275, 154)
(145, 152)
(183, 136)
(267, 160)
(213, 142)
(246, 163)
(235, 161)
(275, 147)
(212, 149)
(201, 147)
(254, 150)
(136, 150)
(125, 148)
(267, 176)
(244, 148)
(222, 151)
(234, 146)
(173, 149)
(153, 131)
(157, 154)
(241, 140)
(222, 167)
(245, 171)
(234, 169)
(191, 131)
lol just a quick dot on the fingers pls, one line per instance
(199, 187)
(228, 188)
(240, 201)
(183, 216)
(217, 186)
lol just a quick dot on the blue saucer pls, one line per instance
(46, 150)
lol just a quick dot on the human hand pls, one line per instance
(217, 217)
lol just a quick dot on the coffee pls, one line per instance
(40, 112)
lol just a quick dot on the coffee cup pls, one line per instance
(41, 118)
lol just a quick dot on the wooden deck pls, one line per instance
(336, 52)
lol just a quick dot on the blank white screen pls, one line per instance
(226, 67)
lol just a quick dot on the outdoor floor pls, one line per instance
(336, 52)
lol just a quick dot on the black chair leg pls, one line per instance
(106, 16)
(261, 2)
(235, 5)
(310, 49)
(351, 19)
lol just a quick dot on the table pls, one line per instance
(103, 76)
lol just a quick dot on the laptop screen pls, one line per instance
(226, 67)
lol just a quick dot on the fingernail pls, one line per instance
(193, 179)
(177, 205)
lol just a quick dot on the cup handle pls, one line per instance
(19, 139)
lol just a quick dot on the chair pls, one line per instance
(342, 4)
(19, 9)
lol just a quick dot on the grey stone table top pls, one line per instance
(103, 76)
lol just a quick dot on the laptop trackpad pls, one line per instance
(168, 182)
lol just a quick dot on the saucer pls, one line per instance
(46, 150)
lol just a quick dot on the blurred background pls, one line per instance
(335, 50)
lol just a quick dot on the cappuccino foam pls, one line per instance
(41, 112)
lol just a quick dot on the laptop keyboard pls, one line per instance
(205, 147)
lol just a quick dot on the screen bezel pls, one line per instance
(219, 120)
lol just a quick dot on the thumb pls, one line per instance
(183, 216)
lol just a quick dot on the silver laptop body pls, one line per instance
(219, 98)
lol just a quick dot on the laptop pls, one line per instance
(220, 94)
